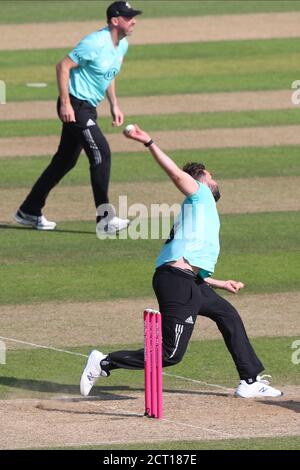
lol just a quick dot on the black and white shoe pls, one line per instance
(34, 221)
(114, 225)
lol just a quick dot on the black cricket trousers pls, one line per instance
(82, 134)
(182, 297)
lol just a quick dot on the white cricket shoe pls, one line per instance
(34, 221)
(112, 226)
(258, 389)
(92, 372)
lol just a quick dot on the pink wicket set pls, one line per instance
(153, 364)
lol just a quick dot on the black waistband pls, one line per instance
(187, 273)
(74, 99)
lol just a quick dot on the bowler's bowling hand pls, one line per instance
(136, 133)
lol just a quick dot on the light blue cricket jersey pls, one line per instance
(99, 62)
(195, 234)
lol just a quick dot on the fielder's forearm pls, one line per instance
(63, 76)
(111, 94)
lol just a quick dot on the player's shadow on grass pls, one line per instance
(15, 227)
(106, 393)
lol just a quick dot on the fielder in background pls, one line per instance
(85, 76)
(184, 285)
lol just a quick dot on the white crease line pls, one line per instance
(41, 346)
(197, 381)
(223, 433)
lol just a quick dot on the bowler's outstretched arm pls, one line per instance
(182, 180)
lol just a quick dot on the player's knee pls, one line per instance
(231, 321)
(172, 360)
(72, 164)
(228, 312)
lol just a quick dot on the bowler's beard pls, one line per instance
(215, 192)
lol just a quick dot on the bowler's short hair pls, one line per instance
(194, 169)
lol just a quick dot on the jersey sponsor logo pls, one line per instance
(110, 74)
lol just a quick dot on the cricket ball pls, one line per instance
(128, 129)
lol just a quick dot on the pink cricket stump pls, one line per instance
(159, 369)
(153, 366)
(147, 364)
(153, 363)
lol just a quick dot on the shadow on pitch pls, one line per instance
(15, 227)
(287, 404)
(44, 386)
(115, 414)
(105, 392)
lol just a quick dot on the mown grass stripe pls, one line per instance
(163, 122)
(223, 51)
(211, 83)
(149, 31)
(18, 319)
(260, 231)
(147, 199)
(21, 172)
(261, 443)
(168, 140)
(162, 105)
(58, 11)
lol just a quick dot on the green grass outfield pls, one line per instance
(88, 266)
(54, 10)
(165, 69)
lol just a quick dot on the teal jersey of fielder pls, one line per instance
(195, 234)
(99, 61)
